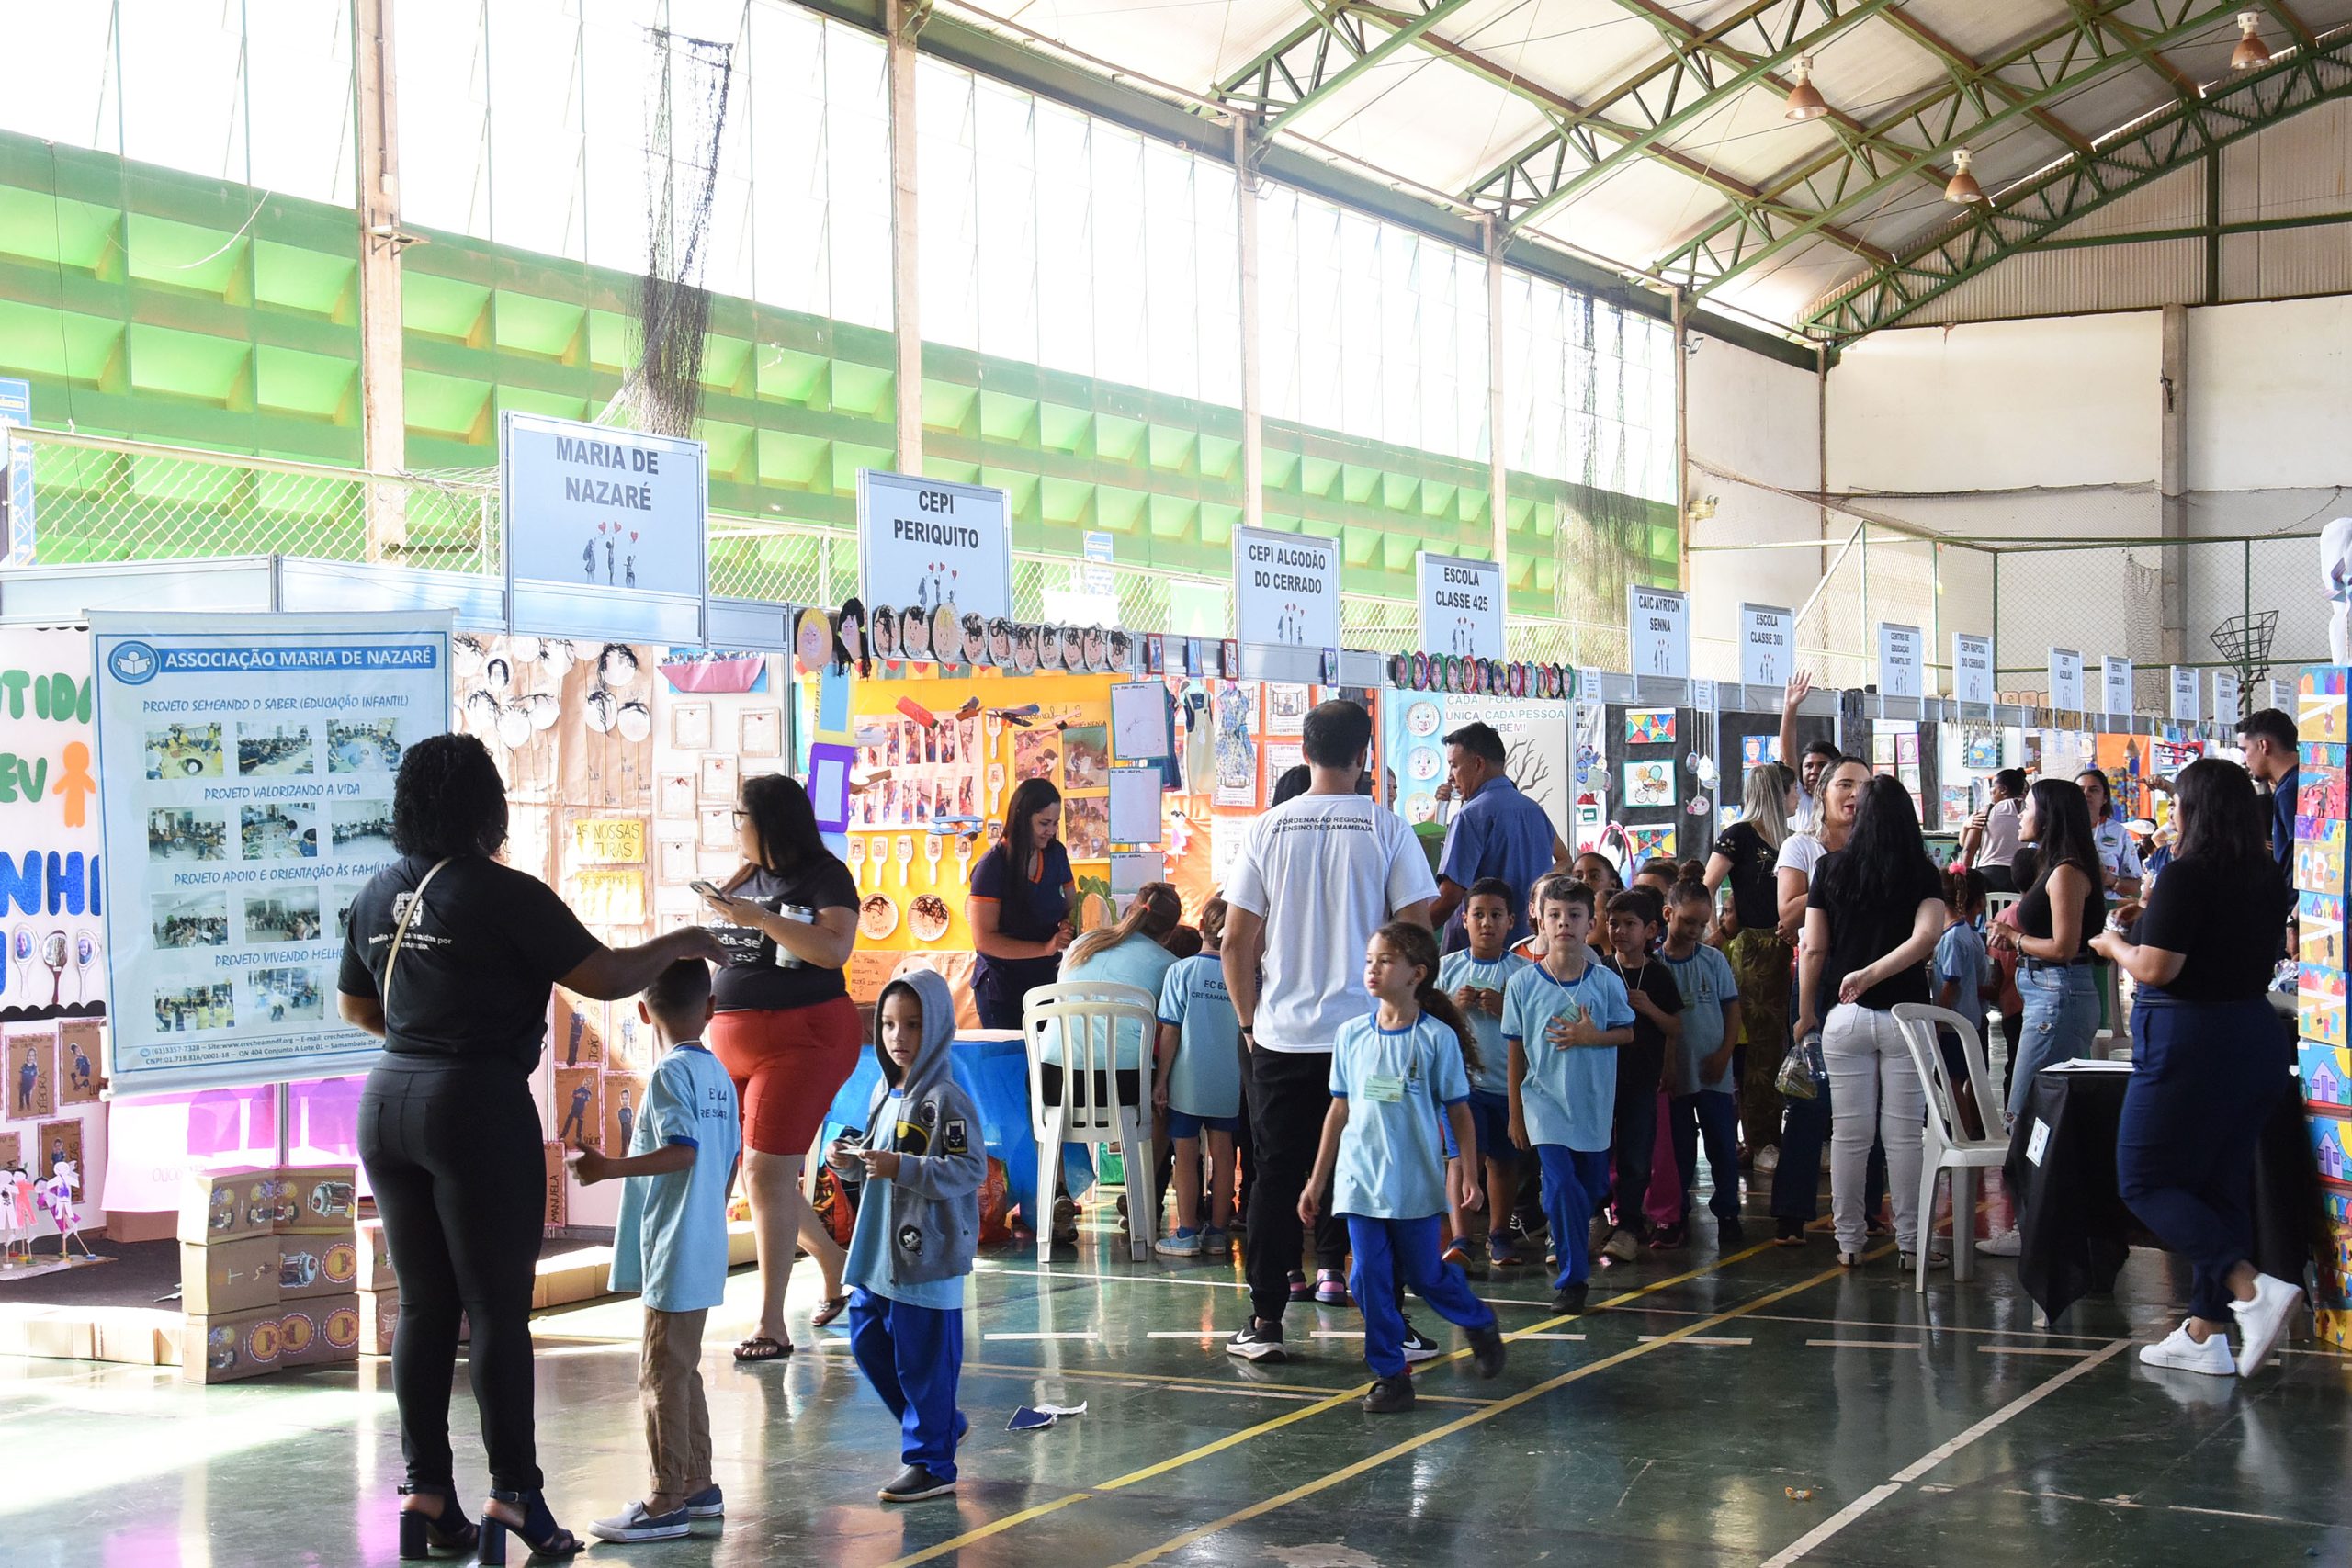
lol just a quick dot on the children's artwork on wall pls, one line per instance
(1980, 747)
(31, 1077)
(1086, 825)
(1235, 744)
(12, 1154)
(718, 777)
(1649, 783)
(78, 1056)
(675, 793)
(1649, 726)
(1086, 756)
(578, 1108)
(718, 831)
(1037, 754)
(629, 1048)
(624, 1095)
(760, 732)
(690, 727)
(1644, 844)
(577, 1039)
(1755, 751)
(1286, 708)
(60, 1140)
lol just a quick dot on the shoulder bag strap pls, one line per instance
(400, 932)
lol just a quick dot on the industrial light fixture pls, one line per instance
(1804, 99)
(2252, 53)
(1963, 186)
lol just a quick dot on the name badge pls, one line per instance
(1383, 1089)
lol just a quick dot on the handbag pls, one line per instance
(399, 932)
(1803, 1074)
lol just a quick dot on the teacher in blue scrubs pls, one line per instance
(1020, 905)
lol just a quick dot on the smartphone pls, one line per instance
(705, 889)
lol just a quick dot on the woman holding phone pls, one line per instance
(784, 1030)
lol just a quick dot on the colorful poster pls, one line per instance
(1649, 726)
(1644, 844)
(243, 766)
(51, 887)
(1649, 784)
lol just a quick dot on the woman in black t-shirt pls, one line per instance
(1749, 854)
(1872, 914)
(2210, 1061)
(449, 958)
(784, 1030)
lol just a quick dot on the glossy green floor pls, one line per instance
(1668, 1427)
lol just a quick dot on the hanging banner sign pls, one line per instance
(2115, 682)
(51, 855)
(1900, 657)
(1765, 638)
(1462, 605)
(924, 543)
(2184, 695)
(600, 510)
(1971, 667)
(1657, 631)
(2225, 696)
(1285, 588)
(2279, 694)
(2065, 680)
(245, 768)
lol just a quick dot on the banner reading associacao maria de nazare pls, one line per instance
(245, 768)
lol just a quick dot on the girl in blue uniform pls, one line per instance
(1394, 1073)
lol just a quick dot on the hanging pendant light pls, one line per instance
(1805, 100)
(1962, 187)
(2251, 53)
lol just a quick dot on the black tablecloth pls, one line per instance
(2073, 1228)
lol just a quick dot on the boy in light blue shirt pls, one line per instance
(1198, 1088)
(1702, 1105)
(1563, 1019)
(671, 1244)
(1474, 978)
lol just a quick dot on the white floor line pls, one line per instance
(1175, 1279)
(2066, 1350)
(1797, 1549)
(1692, 1340)
(1542, 1336)
(1338, 1333)
(1864, 1344)
(1080, 1334)
(1185, 1334)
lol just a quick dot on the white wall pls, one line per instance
(1756, 417)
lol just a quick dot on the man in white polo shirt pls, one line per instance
(1316, 877)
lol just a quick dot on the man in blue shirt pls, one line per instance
(2269, 739)
(1496, 832)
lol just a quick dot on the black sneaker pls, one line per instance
(1300, 1290)
(1571, 1298)
(1390, 1394)
(914, 1483)
(1730, 1234)
(1486, 1350)
(1261, 1341)
(1418, 1345)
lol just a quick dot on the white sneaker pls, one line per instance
(1595, 1236)
(2262, 1322)
(2181, 1353)
(2002, 1244)
(1622, 1247)
(1769, 1160)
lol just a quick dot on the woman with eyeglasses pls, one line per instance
(785, 1028)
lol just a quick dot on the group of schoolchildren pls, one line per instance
(1463, 1067)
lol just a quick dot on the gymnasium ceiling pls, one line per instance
(1651, 134)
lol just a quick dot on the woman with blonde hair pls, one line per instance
(1745, 852)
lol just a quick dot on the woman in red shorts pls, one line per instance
(785, 1030)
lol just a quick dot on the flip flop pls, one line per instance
(833, 1307)
(760, 1348)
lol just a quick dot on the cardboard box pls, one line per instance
(380, 1316)
(375, 1259)
(229, 1278)
(228, 1204)
(319, 1333)
(145, 1336)
(226, 1348)
(65, 1332)
(314, 1266)
(162, 1224)
(318, 1200)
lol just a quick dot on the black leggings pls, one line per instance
(453, 1151)
(1290, 1094)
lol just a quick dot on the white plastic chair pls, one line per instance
(1087, 1016)
(1948, 1146)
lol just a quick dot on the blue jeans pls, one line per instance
(2061, 1018)
(1390, 1255)
(2207, 1077)
(1714, 1116)
(1574, 1181)
(1804, 1129)
(913, 1356)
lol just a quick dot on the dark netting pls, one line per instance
(684, 115)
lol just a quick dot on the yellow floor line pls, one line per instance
(1348, 1473)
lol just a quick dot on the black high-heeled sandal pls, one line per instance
(539, 1529)
(422, 1534)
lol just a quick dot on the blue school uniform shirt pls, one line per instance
(869, 1243)
(1398, 1084)
(1706, 983)
(1205, 1079)
(670, 1239)
(1456, 970)
(1138, 962)
(1961, 957)
(1570, 1095)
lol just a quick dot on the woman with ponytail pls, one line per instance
(1383, 1162)
(1130, 953)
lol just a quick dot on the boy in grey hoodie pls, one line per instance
(918, 1225)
